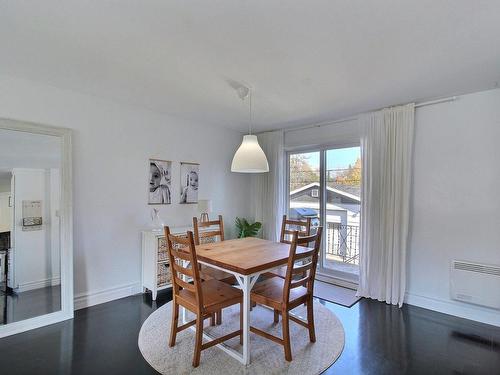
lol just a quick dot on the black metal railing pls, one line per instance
(343, 242)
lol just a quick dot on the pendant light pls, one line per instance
(249, 158)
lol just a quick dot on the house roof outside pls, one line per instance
(347, 191)
(315, 206)
(350, 189)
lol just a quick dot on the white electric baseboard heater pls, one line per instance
(475, 283)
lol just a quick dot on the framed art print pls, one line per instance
(160, 172)
(189, 182)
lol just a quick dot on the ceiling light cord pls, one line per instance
(250, 115)
(245, 92)
(249, 157)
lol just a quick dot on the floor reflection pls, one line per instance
(379, 339)
(384, 339)
(15, 307)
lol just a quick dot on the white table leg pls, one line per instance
(246, 283)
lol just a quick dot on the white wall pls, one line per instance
(5, 184)
(54, 197)
(111, 146)
(36, 261)
(456, 201)
(5, 212)
(345, 133)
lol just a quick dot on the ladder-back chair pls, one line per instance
(288, 227)
(203, 298)
(283, 295)
(216, 233)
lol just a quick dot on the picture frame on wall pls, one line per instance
(160, 179)
(189, 182)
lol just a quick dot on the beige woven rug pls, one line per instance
(267, 357)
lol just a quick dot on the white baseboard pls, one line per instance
(455, 308)
(88, 299)
(38, 284)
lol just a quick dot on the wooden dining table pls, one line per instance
(245, 258)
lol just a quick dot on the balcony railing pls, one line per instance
(343, 243)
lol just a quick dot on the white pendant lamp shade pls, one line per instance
(249, 158)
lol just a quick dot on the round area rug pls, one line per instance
(267, 357)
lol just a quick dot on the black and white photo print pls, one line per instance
(160, 172)
(189, 182)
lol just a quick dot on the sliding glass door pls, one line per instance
(343, 209)
(326, 186)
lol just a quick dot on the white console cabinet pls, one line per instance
(156, 273)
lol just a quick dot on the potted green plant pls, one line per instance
(245, 229)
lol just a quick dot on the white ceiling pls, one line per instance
(308, 61)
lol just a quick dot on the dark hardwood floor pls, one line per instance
(380, 339)
(16, 307)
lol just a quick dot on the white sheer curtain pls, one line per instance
(386, 147)
(269, 188)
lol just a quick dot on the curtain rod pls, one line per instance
(437, 101)
(418, 105)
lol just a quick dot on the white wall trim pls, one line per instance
(456, 308)
(37, 284)
(36, 322)
(88, 299)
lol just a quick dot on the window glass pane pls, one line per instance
(305, 186)
(343, 209)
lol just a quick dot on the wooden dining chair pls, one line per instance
(212, 236)
(283, 295)
(216, 234)
(203, 298)
(288, 227)
(219, 232)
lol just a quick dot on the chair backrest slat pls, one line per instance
(213, 233)
(300, 282)
(187, 255)
(299, 270)
(302, 227)
(184, 255)
(295, 222)
(181, 283)
(290, 232)
(203, 224)
(219, 232)
(183, 270)
(180, 240)
(306, 240)
(306, 269)
(305, 254)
